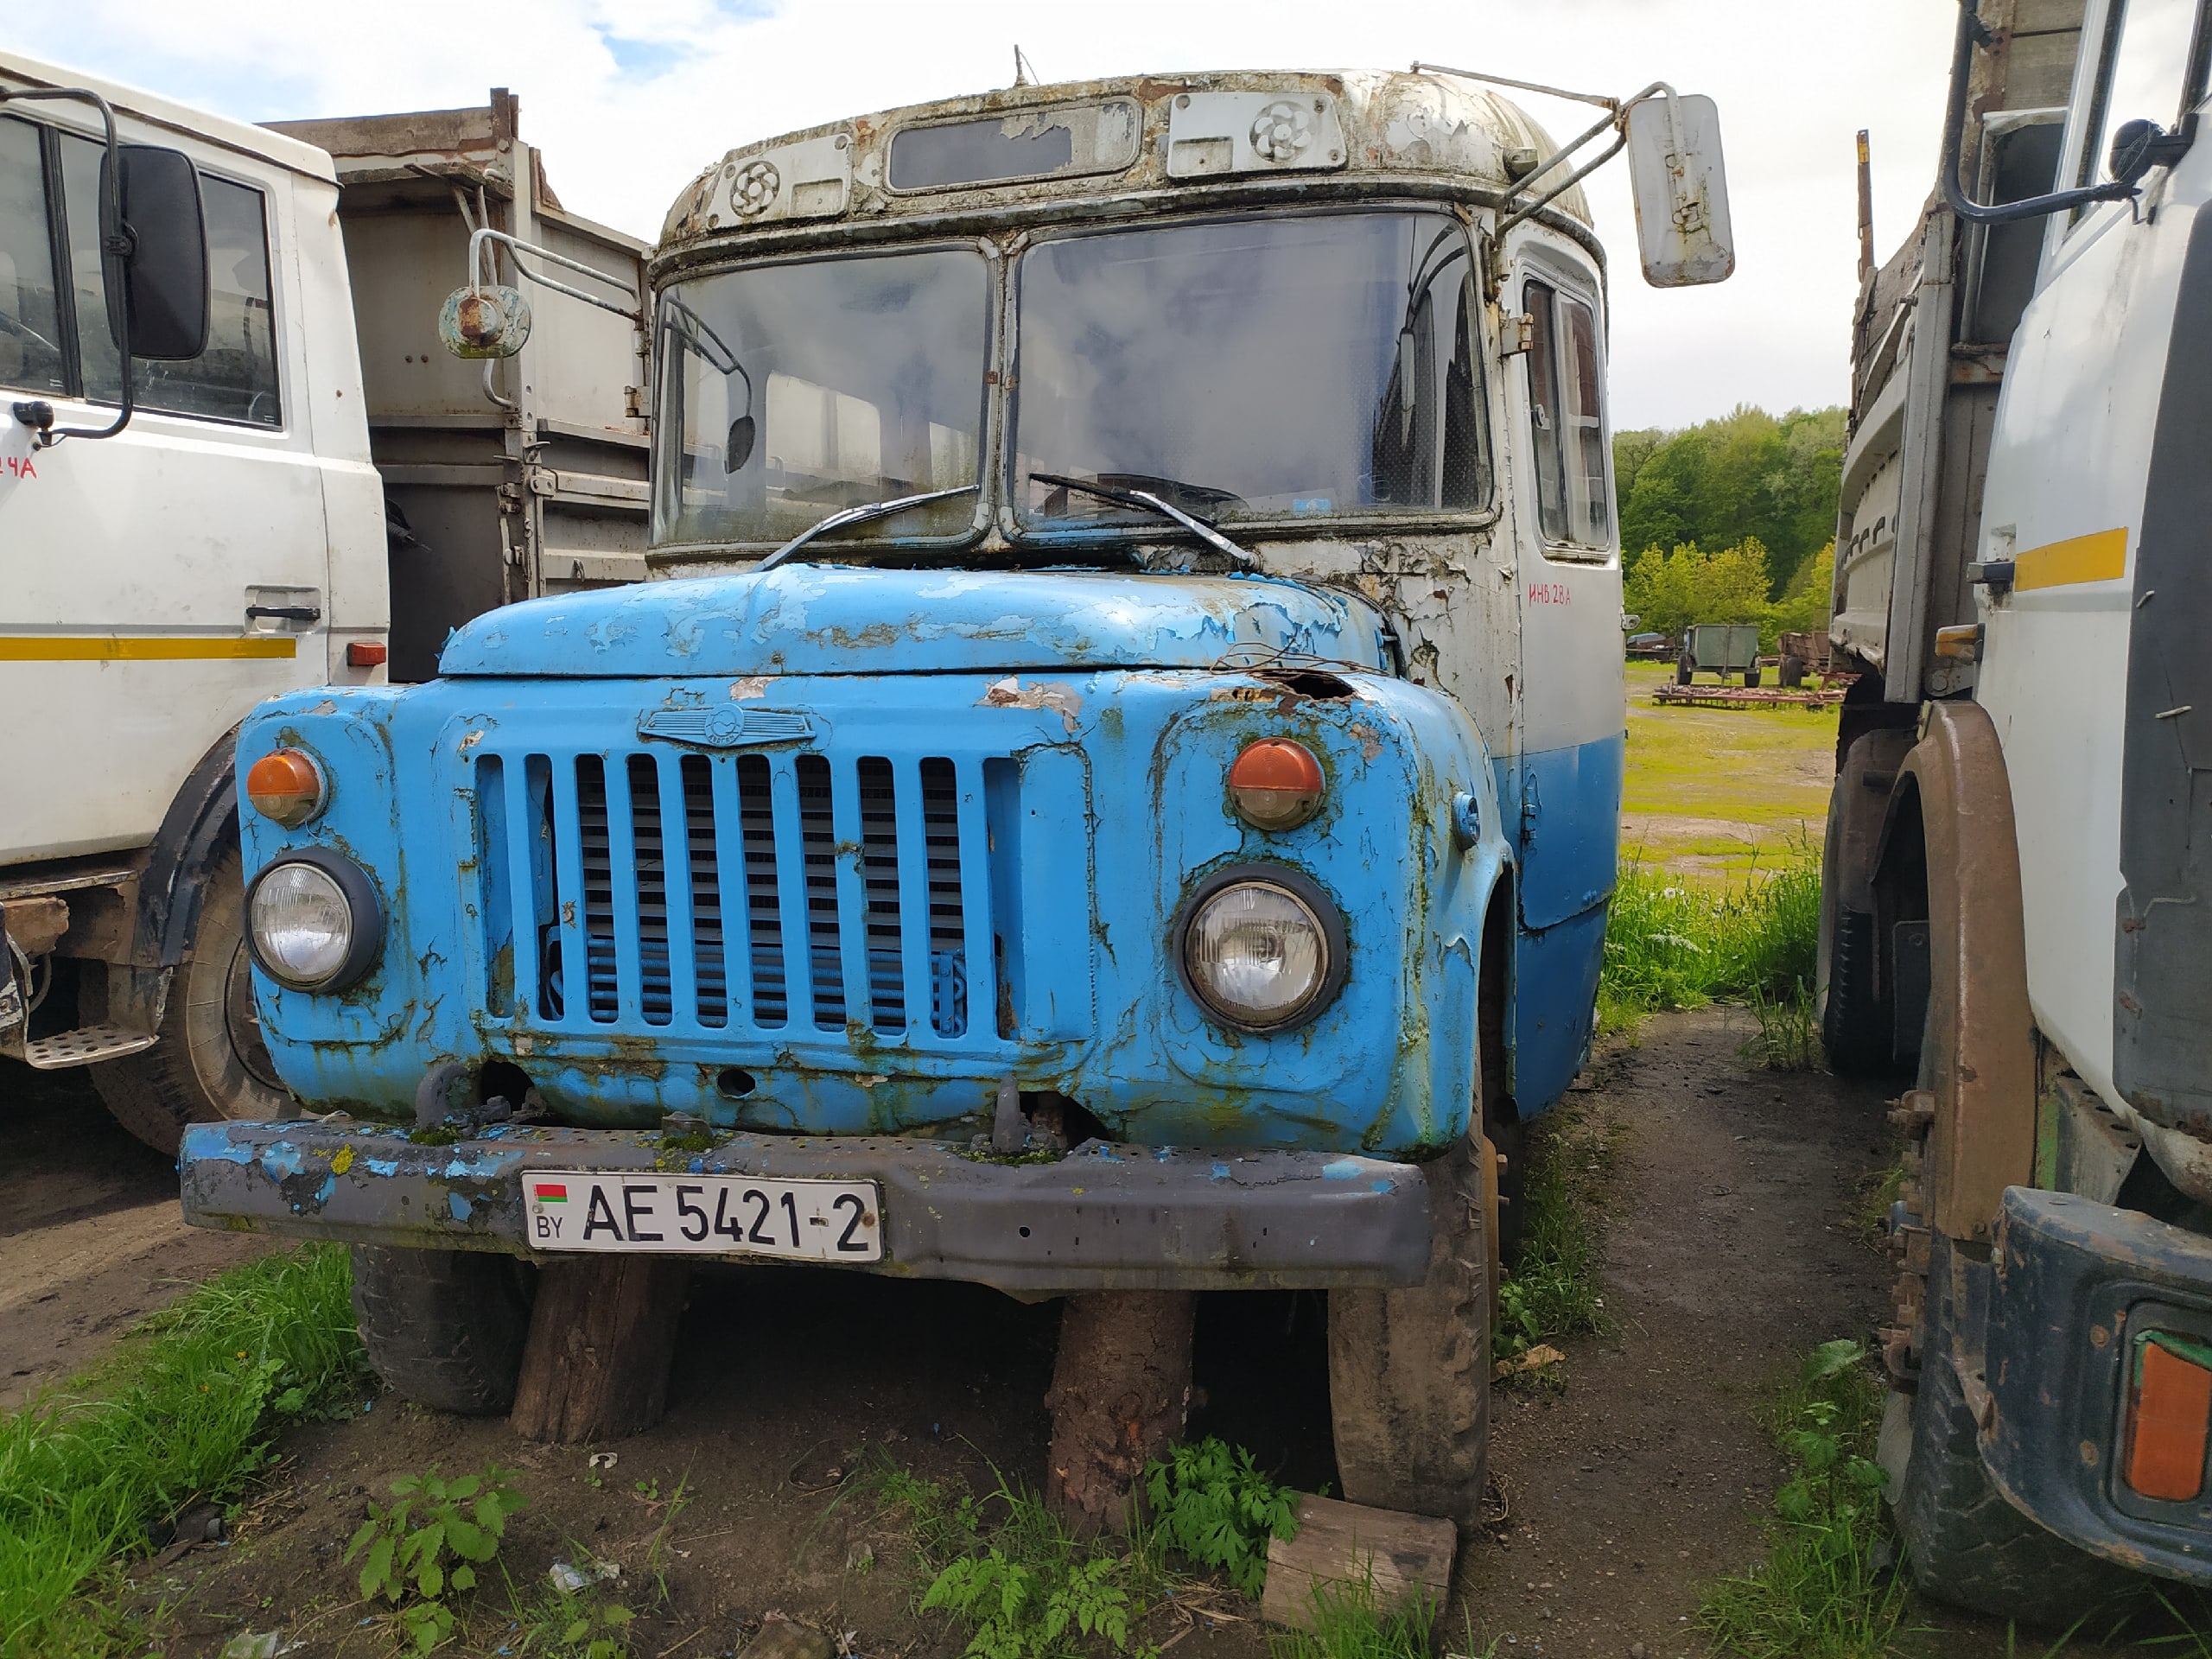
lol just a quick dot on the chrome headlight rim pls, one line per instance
(363, 906)
(1310, 895)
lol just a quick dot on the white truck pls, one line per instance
(2020, 855)
(286, 484)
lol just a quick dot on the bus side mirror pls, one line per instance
(157, 268)
(1680, 190)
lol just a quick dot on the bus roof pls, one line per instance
(1153, 138)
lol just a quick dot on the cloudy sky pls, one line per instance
(629, 99)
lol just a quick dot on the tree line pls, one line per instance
(1731, 521)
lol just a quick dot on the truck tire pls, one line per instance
(208, 1061)
(445, 1328)
(1751, 678)
(1855, 1023)
(1410, 1370)
(1684, 672)
(1964, 1543)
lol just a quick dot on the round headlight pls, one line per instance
(313, 921)
(1262, 948)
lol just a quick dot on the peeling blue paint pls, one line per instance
(281, 1161)
(459, 1205)
(1343, 1169)
(1220, 1172)
(381, 1166)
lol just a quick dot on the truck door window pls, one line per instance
(2148, 72)
(1567, 416)
(30, 323)
(235, 379)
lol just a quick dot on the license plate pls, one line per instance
(704, 1215)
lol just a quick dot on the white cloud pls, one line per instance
(629, 99)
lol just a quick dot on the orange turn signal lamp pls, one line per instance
(286, 785)
(1276, 784)
(2170, 1416)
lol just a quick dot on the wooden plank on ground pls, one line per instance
(1341, 1547)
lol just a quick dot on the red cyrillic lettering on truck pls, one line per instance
(1550, 593)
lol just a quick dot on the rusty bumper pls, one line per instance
(1103, 1218)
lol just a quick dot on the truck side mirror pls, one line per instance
(156, 267)
(739, 448)
(1680, 190)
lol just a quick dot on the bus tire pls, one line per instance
(444, 1328)
(1410, 1370)
(207, 1061)
(1964, 1543)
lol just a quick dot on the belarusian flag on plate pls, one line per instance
(546, 1192)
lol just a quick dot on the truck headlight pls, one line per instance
(314, 920)
(1261, 947)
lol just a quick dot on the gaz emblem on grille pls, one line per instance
(726, 728)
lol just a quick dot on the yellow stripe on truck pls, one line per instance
(2101, 557)
(139, 648)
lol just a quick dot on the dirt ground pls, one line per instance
(1730, 1255)
(90, 1235)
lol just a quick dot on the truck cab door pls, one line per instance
(155, 585)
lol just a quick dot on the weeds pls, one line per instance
(568, 1624)
(430, 1542)
(181, 1414)
(1211, 1504)
(1827, 1590)
(1026, 1589)
(1552, 1289)
(1672, 945)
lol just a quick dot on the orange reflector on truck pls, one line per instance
(2170, 1414)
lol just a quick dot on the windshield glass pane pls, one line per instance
(791, 392)
(1321, 365)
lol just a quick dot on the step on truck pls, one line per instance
(2019, 860)
(1111, 793)
(284, 483)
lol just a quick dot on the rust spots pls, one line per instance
(1371, 741)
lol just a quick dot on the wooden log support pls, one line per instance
(1121, 1390)
(1342, 1548)
(601, 1338)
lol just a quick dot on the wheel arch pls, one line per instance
(203, 816)
(1949, 830)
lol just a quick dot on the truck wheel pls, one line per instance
(1964, 1543)
(445, 1328)
(1751, 678)
(208, 1061)
(1682, 670)
(1855, 1024)
(1410, 1370)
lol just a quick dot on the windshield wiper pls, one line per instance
(1151, 503)
(859, 515)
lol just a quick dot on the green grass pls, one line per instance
(1828, 1589)
(1672, 945)
(1350, 1623)
(1552, 1290)
(179, 1414)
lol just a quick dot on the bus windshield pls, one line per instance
(1303, 365)
(791, 391)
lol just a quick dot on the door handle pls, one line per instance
(286, 612)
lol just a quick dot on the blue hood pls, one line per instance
(823, 619)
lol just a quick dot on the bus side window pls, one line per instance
(30, 323)
(1543, 412)
(1567, 418)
